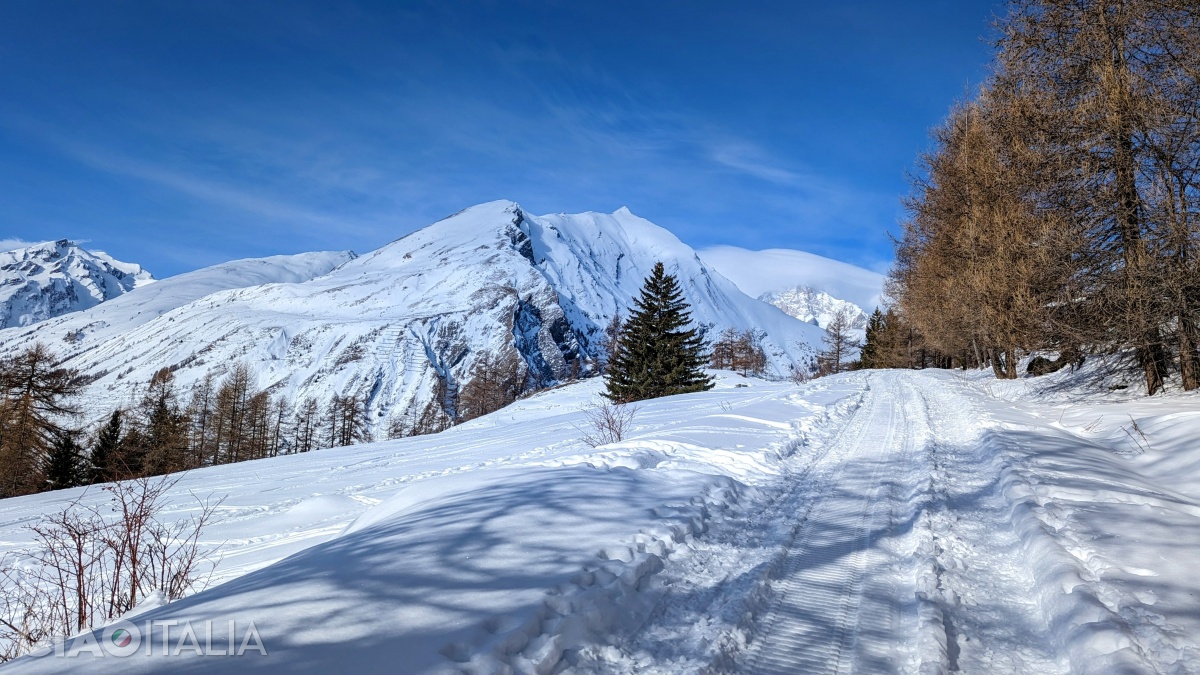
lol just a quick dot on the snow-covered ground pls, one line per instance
(880, 521)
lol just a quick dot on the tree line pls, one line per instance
(657, 352)
(216, 421)
(1058, 209)
(220, 422)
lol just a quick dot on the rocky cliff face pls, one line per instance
(55, 278)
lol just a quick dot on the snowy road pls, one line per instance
(820, 609)
(898, 544)
(863, 587)
(875, 522)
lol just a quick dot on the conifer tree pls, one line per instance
(657, 353)
(64, 465)
(164, 427)
(106, 450)
(870, 356)
(35, 395)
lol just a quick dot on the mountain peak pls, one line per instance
(485, 209)
(417, 316)
(52, 278)
(815, 307)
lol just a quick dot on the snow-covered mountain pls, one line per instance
(779, 270)
(46, 280)
(73, 334)
(398, 324)
(815, 307)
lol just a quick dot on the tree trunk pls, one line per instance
(1010, 364)
(997, 364)
(1153, 359)
(1189, 361)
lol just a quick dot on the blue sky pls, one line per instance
(179, 135)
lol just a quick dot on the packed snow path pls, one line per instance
(812, 624)
(899, 554)
(862, 588)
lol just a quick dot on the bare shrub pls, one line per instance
(800, 375)
(91, 564)
(607, 422)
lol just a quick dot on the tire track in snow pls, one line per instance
(981, 602)
(711, 591)
(813, 623)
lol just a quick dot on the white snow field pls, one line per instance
(880, 521)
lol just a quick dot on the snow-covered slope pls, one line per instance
(871, 522)
(815, 307)
(73, 334)
(59, 277)
(397, 323)
(775, 270)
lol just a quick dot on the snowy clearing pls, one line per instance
(886, 521)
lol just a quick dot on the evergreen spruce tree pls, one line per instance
(63, 466)
(163, 427)
(106, 451)
(657, 353)
(870, 354)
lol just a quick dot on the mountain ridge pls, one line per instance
(401, 323)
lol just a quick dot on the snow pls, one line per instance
(817, 307)
(126, 312)
(875, 521)
(774, 270)
(444, 548)
(46, 280)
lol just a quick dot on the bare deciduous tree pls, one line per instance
(839, 343)
(495, 381)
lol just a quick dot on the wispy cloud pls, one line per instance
(202, 188)
(211, 191)
(12, 244)
(749, 159)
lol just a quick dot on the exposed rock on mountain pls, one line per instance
(815, 307)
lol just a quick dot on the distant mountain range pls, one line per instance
(778, 271)
(400, 324)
